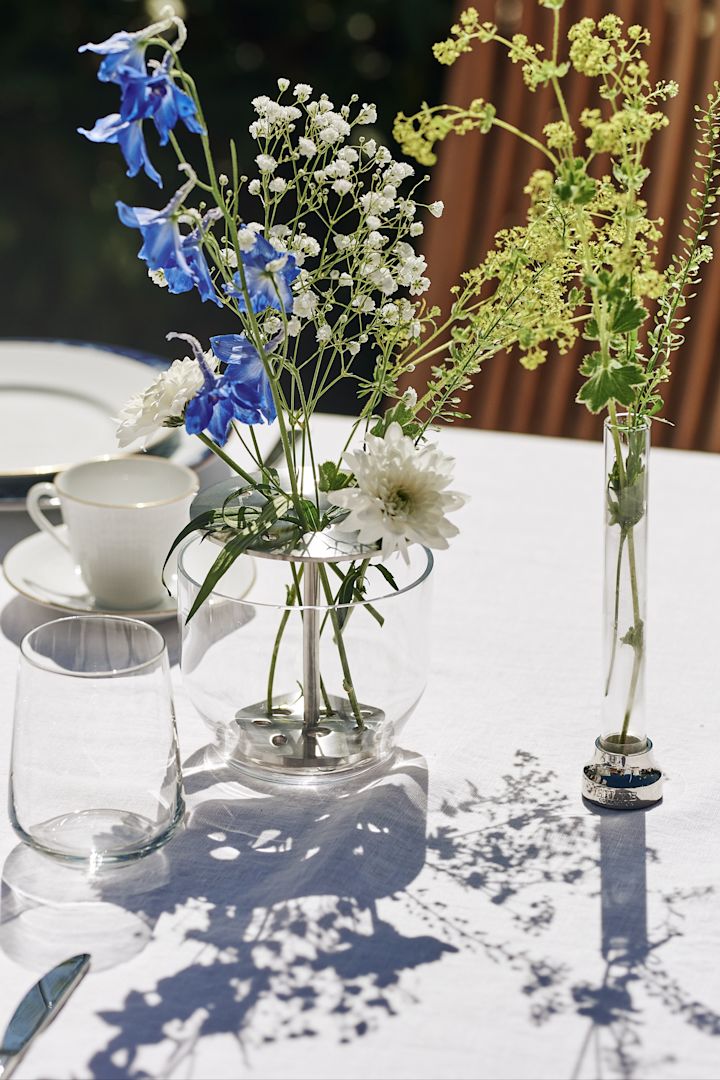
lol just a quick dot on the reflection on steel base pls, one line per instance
(278, 743)
(622, 781)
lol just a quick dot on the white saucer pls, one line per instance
(39, 569)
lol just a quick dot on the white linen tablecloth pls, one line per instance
(464, 915)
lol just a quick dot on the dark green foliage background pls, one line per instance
(68, 268)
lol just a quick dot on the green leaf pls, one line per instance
(628, 315)
(202, 521)
(234, 547)
(332, 478)
(387, 575)
(614, 381)
(635, 636)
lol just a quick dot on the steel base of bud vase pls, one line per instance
(622, 781)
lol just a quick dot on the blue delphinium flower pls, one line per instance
(246, 370)
(166, 248)
(126, 50)
(122, 50)
(128, 134)
(269, 273)
(156, 97)
(221, 400)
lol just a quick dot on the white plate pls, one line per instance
(38, 409)
(41, 570)
(58, 401)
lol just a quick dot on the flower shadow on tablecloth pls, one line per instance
(276, 917)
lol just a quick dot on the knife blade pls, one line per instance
(39, 1006)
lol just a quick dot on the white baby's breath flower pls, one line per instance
(294, 326)
(401, 495)
(342, 186)
(373, 222)
(367, 115)
(417, 228)
(323, 333)
(353, 347)
(409, 398)
(390, 314)
(246, 237)
(228, 256)
(345, 280)
(383, 156)
(370, 147)
(254, 187)
(305, 304)
(283, 84)
(347, 153)
(302, 91)
(343, 242)
(164, 399)
(436, 208)
(277, 184)
(266, 163)
(306, 147)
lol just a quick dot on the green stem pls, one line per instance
(219, 452)
(348, 686)
(616, 616)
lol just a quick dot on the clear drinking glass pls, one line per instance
(95, 772)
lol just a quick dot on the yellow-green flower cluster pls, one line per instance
(584, 261)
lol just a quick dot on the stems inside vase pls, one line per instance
(626, 460)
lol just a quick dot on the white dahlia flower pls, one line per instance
(401, 494)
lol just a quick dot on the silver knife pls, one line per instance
(39, 1006)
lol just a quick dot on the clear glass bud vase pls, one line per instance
(622, 773)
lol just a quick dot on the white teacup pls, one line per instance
(122, 516)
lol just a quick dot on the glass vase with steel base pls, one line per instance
(309, 668)
(622, 773)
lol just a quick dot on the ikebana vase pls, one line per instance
(300, 678)
(622, 773)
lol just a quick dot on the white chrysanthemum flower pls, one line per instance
(401, 495)
(164, 399)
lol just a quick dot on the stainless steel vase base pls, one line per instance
(622, 781)
(280, 744)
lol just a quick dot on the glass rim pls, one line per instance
(32, 658)
(645, 424)
(365, 602)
